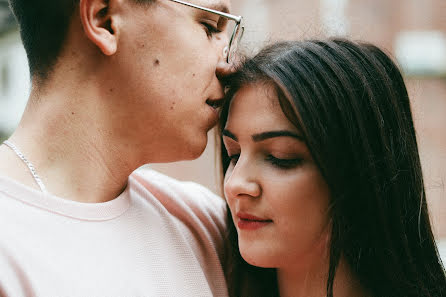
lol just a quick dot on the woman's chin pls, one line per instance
(258, 259)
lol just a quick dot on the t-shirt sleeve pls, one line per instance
(193, 204)
(200, 215)
(13, 281)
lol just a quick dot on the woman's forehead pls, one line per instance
(257, 105)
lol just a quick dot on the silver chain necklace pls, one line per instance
(15, 149)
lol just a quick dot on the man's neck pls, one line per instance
(71, 149)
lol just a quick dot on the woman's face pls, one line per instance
(276, 193)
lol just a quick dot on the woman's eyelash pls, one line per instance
(234, 158)
(210, 30)
(280, 163)
(284, 163)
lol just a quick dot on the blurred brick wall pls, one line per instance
(376, 21)
(379, 21)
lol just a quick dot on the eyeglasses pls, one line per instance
(237, 32)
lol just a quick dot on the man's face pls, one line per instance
(165, 77)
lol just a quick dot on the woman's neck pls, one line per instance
(311, 281)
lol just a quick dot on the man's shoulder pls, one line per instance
(193, 206)
(12, 193)
(161, 185)
(188, 201)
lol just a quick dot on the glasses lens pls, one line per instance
(235, 41)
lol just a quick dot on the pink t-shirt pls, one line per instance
(160, 237)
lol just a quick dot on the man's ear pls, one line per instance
(99, 24)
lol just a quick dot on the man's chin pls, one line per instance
(182, 152)
(195, 152)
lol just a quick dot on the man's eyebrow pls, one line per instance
(219, 7)
(227, 133)
(280, 133)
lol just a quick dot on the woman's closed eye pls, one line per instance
(284, 163)
(277, 162)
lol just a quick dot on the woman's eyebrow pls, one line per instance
(280, 133)
(229, 134)
(266, 135)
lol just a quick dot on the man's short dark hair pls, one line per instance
(43, 29)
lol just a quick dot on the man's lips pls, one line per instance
(215, 103)
(251, 222)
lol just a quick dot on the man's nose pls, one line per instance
(224, 69)
(242, 181)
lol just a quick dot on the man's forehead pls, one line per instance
(220, 5)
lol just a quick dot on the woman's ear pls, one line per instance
(100, 24)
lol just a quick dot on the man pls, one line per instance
(115, 84)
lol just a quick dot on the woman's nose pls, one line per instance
(242, 181)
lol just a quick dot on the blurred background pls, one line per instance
(412, 31)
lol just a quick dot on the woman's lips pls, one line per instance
(251, 222)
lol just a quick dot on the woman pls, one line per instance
(323, 178)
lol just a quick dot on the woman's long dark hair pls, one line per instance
(350, 101)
